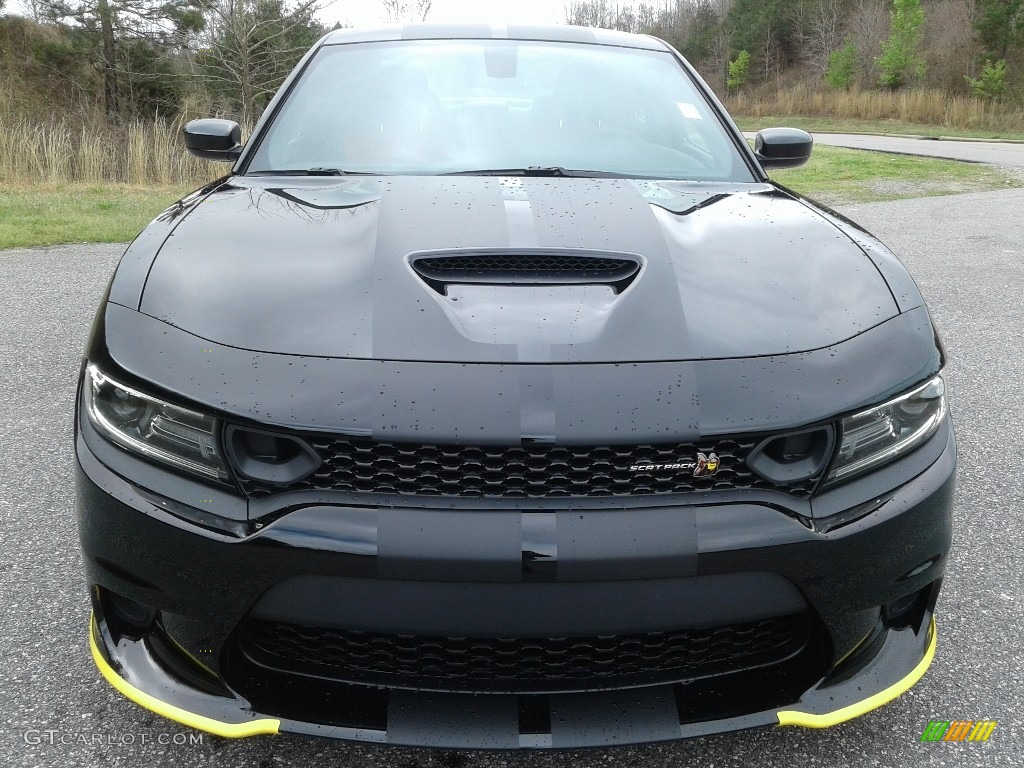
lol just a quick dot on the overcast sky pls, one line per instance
(370, 12)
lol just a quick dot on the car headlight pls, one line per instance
(880, 434)
(153, 428)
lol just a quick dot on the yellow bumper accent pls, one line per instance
(208, 724)
(808, 720)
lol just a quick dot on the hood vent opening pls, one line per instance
(528, 267)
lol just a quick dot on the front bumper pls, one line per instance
(494, 722)
(868, 582)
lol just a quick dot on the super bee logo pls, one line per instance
(706, 465)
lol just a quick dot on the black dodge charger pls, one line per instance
(496, 398)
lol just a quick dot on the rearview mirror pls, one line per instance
(213, 139)
(783, 147)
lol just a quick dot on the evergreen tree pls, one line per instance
(1000, 26)
(842, 66)
(901, 61)
(158, 22)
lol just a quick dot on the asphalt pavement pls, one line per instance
(1006, 154)
(967, 253)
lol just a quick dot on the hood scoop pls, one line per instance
(525, 267)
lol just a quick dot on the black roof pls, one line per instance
(550, 32)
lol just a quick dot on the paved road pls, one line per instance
(994, 153)
(968, 255)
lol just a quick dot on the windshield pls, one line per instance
(477, 106)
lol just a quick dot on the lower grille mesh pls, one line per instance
(523, 664)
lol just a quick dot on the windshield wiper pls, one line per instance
(536, 170)
(531, 170)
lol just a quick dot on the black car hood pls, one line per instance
(321, 268)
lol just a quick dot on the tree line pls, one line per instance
(126, 60)
(144, 59)
(968, 46)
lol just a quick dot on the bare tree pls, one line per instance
(769, 49)
(721, 50)
(34, 8)
(588, 13)
(106, 17)
(667, 18)
(397, 11)
(950, 43)
(869, 28)
(646, 17)
(250, 46)
(822, 32)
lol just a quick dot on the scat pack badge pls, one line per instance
(706, 465)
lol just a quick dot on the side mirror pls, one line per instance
(783, 147)
(213, 139)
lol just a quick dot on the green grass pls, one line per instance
(48, 214)
(852, 125)
(835, 175)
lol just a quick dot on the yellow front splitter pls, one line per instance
(170, 711)
(828, 719)
(265, 726)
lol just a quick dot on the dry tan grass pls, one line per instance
(923, 106)
(61, 152)
(153, 153)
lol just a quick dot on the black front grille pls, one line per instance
(530, 471)
(523, 664)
